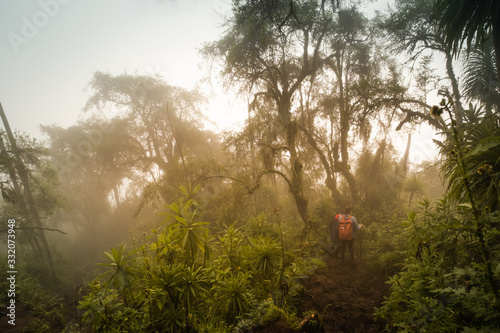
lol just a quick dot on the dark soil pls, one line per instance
(344, 296)
(278, 327)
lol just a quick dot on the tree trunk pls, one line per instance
(178, 144)
(23, 175)
(296, 176)
(496, 43)
(116, 195)
(252, 155)
(343, 166)
(411, 197)
(406, 156)
(296, 167)
(458, 109)
(35, 244)
(330, 181)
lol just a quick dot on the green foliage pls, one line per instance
(231, 242)
(380, 210)
(264, 256)
(265, 313)
(475, 160)
(190, 234)
(191, 284)
(48, 309)
(29, 191)
(105, 312)
(444, 285)
(32, 296)
(385, 246)
(451, 276)
(121, 273)
(166, 286)
(234, 294)
(466, 21)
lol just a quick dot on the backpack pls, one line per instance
(345, 228)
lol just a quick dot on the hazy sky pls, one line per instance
(50, 49)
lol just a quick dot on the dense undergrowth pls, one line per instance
(184, 276)
(450, 277)
(442, 261)
(39, 307)
(444, 285)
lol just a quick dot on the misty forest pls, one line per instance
(140, 218)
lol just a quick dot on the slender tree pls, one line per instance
(29, 204)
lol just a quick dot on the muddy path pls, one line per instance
(344, 296)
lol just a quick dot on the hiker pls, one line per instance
(348, 227)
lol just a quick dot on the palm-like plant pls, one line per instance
(191, 283)
(265, 256)
(479, 80)
(469, 21)
(235, 294)
(231, 241)
(174, 319)
(480, 149)
(413, 186)
(179, 287)
(167, 281)
(121, 272)
(190, 234)
(165, 247)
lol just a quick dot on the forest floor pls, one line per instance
(344, 296)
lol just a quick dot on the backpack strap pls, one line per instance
(343, 219)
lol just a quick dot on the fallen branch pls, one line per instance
(47, 229)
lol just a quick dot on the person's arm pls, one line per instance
(357, 226)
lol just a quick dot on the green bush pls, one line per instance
(169, 284)
(445, 285)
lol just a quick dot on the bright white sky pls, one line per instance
(44, 70)
(50, 49)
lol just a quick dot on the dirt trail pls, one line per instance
(344, 295)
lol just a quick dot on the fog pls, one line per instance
(165, 160)
(51, 49)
